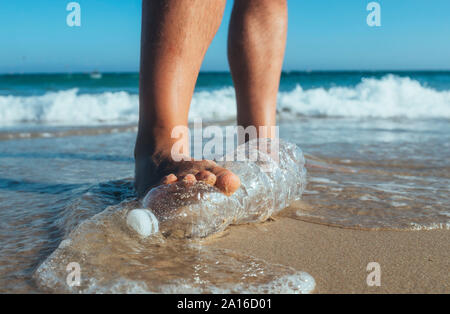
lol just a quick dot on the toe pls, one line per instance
(206, 176)
(189, 179)
(226, 181)
(171, 178)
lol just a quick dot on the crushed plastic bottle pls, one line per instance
(115, 260)
(267, 186)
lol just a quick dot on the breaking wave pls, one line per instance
(387, 97)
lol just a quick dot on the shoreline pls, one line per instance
(410, 261)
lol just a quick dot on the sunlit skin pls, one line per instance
(174, 40)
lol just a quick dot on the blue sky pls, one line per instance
(323, 35)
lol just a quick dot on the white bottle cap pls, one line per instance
(143, 221)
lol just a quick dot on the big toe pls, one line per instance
(226, 181)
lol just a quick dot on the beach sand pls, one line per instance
(410, 261)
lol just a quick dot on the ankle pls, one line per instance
(159, 145)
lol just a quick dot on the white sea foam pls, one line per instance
(70, 108)
(296, 283)
(390, 96)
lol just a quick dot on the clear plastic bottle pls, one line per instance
(267, 186)
(116, 261)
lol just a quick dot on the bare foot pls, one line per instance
(159, 168)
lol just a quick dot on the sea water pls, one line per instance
(376, 147)
(114, 259)
(154, 262)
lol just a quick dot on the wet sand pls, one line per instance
(410, 261)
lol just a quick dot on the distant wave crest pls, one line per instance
(69, 108)
(390, 96)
